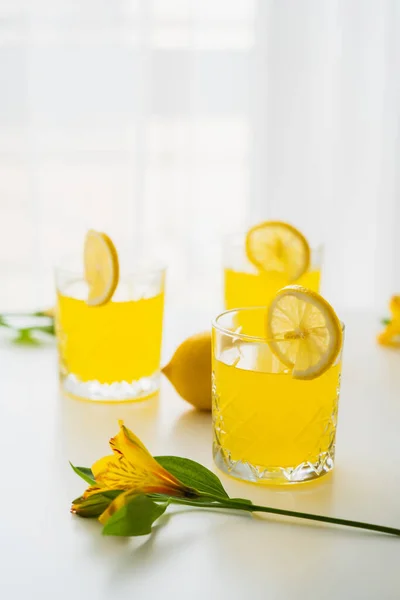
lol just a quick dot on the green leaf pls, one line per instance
(193, 475)
(50, 329)
(42, 313)
(24, 336)
(385, 321)
(241, 500)
(135, 518)
(85, 473)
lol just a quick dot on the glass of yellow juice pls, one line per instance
(245, 285)
(111, 352)
(269, 427)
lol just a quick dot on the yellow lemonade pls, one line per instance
(119, 341)
(259, 288)
(265, 417)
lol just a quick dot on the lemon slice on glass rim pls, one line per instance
(280, 247)
(303, 331)
(101, 267)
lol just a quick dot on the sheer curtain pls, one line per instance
(326, 136)
(170, 123)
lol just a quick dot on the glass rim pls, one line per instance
(244, 336)
(140, 267)
(229, 237)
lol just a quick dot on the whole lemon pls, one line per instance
(189, 370)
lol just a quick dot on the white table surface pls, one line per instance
(48, 553)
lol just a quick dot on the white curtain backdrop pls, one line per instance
(172, 122)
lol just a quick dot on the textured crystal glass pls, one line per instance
(268, 426)
(111, 352)
(245, 285)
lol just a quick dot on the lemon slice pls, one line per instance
(277, 246)
(303, 331)
(101, 267)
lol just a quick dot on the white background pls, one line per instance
(171, 122)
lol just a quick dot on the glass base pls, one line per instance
(306, 471)
(118, 391)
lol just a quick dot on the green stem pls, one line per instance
(25, 332)
(12, 315)
(321, 518)
(195, 503)
(218, 502)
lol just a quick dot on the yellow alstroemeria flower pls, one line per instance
(131, 468)
(390, 336)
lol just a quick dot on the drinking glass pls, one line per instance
(268, 426)
(111, 352)
(245, 285)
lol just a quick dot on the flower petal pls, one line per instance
(137, 459)
(101, 465)
(94, 489)
(132, 468)
(395, 307)
(115, 505)
(127, 444)
(390, 336)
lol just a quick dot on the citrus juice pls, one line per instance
(119, 341)
(266, 418)
(244, 288)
